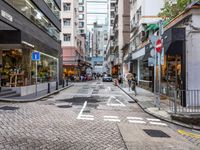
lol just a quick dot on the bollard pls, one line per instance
(66, 82)
(175, 104)
(56, 85)
(49, 88)
(63, 83)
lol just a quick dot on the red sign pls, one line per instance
(158, 45)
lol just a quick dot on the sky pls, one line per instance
(97, 10)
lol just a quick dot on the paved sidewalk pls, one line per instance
(33, 97)
(146, 101)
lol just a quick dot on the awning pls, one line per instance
(173, 40)
(156, 26)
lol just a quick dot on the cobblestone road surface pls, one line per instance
(87, 116)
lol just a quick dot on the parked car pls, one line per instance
(107, 78)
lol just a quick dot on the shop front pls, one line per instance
(18, 69)
(115, 71)
(173, 76)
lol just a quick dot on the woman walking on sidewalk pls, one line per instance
(129, 77)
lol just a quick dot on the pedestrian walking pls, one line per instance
(134, 84)
(120, 78)
(129, 78)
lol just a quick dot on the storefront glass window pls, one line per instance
(53, 7)
(27, 8)
(47, 68)
(19, 70)
(144, 71)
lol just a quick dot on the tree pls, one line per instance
(172, 9)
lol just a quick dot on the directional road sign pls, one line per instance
(36, 56)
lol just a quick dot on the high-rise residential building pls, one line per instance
(29, 26)
(99, 42)
(73, 36)
(82, 25)
(97, 12)
(121, 29)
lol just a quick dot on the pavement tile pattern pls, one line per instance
(52, 123)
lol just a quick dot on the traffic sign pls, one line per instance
(36, 56)
(159, 45)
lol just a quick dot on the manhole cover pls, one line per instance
(156, 133)
(64, 106)
(9, 108)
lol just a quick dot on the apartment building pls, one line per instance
(99, 42)
(121, 29)
(82, 25)
(109, 57)
(28, 26)
(72, 36)
(143, 17)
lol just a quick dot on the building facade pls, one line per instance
(121, 29)
(142, 18)
(27, 26)
(99, 42)
(73, 37)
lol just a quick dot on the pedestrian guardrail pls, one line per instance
(185, 101)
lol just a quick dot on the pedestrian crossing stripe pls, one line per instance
(137, 121)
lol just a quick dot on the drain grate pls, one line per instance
(131, 101)
(156, 133)
(9, 108)
(64, 106)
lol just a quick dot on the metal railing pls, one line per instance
(185, 101)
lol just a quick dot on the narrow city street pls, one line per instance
(89, 115)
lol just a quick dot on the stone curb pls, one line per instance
(160, 117)
(34, 99)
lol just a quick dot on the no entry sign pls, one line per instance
(159, 45)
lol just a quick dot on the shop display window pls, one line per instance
(47, 69)
(19, 70)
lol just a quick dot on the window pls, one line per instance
(67, 37)
(66, 6)
(53, 7)
(66, 22)
(81, 16)
(81, 8)
(81, 24)
(30, 11)
(81, 1)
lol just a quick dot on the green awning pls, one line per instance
(150, 27)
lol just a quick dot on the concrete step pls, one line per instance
(11, 95)
(7, 92)
(3, 90)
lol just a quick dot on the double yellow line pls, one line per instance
(193, 135)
